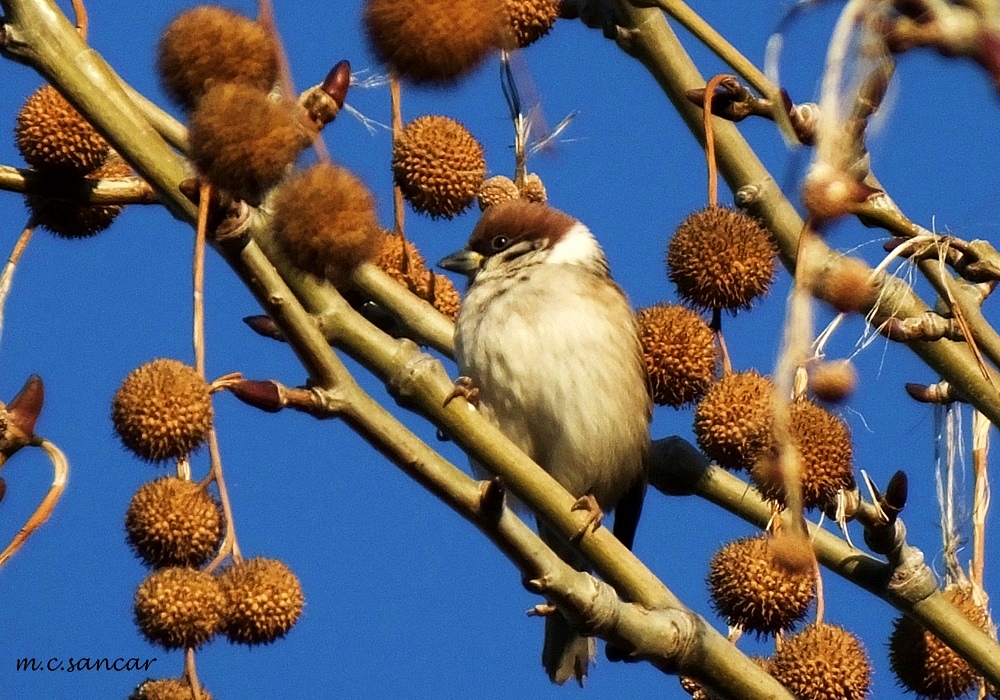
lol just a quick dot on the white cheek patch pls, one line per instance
(576, 247)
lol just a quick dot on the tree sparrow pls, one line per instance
(550, 342)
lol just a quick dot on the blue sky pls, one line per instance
(403, 598)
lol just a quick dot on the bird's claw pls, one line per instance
(464, 387)
(595, 516)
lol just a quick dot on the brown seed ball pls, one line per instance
(752, 591)
(832, 381)
(438, 165)
(243, 141)
(823, 662)
(824, 444)
(494, 190)
(166, 689)
(264, 599)
(68, 220)
(410, 270)
(211, 44)
(846, 286)
(324, 221)
(923, 663)
(52, 136)
(179, 607)
(721, 259)
(163, 410)
(533, 189)
(732, 423)
(401, 260)
(679, 350)
(529, 20)
(445, 297)
(433, 41)
(830, 193)
(173, 522)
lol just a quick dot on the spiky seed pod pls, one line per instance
(166, 689)
(211, 44)
(410, 270)
(404, 264)
(496, 189)
(68, 220)
(679, 350)
(823, 662)
(444, 296)
(438, 166)
(264, 599)
(179, 607)
(533, 190)
(433, 41)
(721, 259)
(923, 663)
(163, 410)
(750, 590)
(243, 141)
(52, 136)
(832, 381)
(324, 221)
(824, 444)
(732, 423)
(173, 522)
(529, 20)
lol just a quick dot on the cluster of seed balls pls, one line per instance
(724, 260)
(220, 67)
(438, 42)
(163, 411)
(62, 147)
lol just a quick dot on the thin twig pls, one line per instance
(80, 10)
(713, 172)
(191, 674)
(60, 473)
(229, 543)
(7, 276)
(716, 326)
(397, 133)
(522, 126)
(980, 497)
(198, 334)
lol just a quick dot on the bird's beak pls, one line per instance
(467, 262)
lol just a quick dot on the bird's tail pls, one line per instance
(565, 653)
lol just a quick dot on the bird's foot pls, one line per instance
(466, 389)
(595, 516)
(542, 610)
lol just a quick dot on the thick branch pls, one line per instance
(123, 190)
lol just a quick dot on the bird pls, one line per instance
(550, 344)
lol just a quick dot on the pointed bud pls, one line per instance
(25, 408)
(337, 81)
(265, 326)
(895, 494)
(265, 395)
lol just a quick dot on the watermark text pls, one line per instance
(84, 663)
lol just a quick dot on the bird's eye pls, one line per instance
(499, 243)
